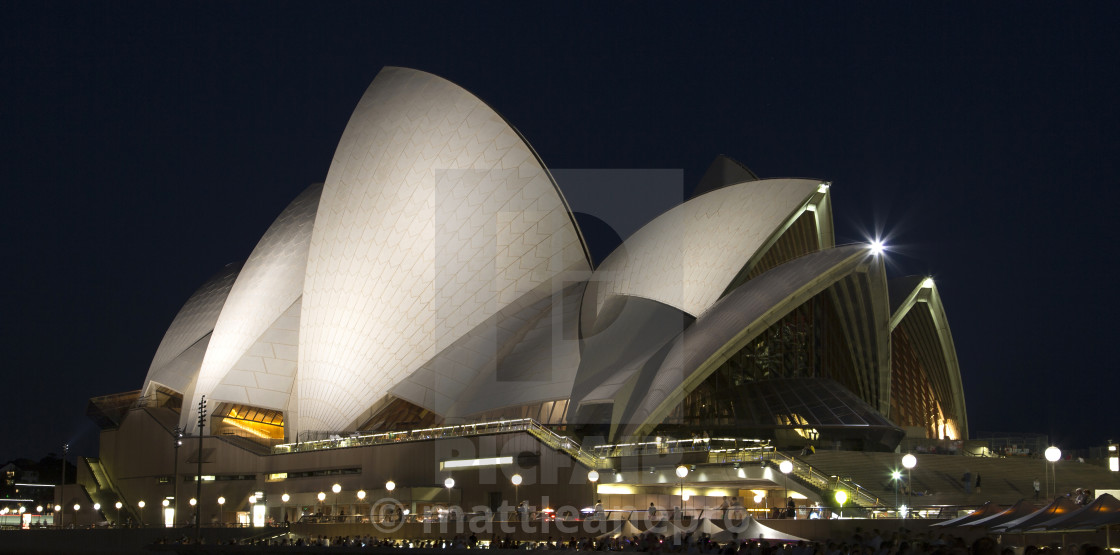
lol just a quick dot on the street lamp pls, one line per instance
(841, 496)
(62, 484)
(449, 483)
(118, 505)
(361, 500)
(141, 505)
(786, 467)
(336, 489)
(909, 461)
(178, 442)
(321, 497)
(1053, 454)
(222, 510)
(593, 477)
(284, 506)
(166, 504)
(682, 471)
(516, 479)
(896, 476)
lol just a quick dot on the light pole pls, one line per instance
(198, 478)
(1053, 454)
(389, 487)
(321, 497)
(178, 442)
(284, 506)
(516, 479)
(361, 501)
(222, 511)
(841, 496)
(141, 505)
(193, 502)
(593, 478)
(62, 484)
(682, 471)
(450, 483)
(118, 505)
(786, 467)
(896, 476)
(335, 489)
(166, 504)
(909, 461)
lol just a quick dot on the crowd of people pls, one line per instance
(859, 543)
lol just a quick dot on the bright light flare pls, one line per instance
(877, 247)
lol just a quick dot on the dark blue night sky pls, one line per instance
(145, 145)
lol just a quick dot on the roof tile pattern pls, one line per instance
(435, 215)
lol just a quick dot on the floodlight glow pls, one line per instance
(516, 479)
(390, 485)
(841, 496)
(449, 483)
(682, 471)
(39, 509)
(59, 507)
(786, 467)
(1053, 453)
(97, 506)
(193, 502)
(909, 461)
(77, 507)
(321, 496)
(927, 283)
(166, 503)
(283, 498)
(758, 498)
(252, 499)
(141, 503)
(593, 475)
(118, 505)
(221, 500)
(877, 247)
(896, 475)
(336, 488)
(361, 495)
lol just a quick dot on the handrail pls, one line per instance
(534, 428)
(860, 495)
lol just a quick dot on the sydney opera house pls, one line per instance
(431, 311)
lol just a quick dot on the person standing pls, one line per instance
(1037, 488)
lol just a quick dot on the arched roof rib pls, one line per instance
(194, 322)
(916, 305)
(269, 283)
(688, 256)
(435, 215)
(751, 309)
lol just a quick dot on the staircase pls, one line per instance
(102, 490)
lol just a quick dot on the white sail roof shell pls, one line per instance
(193, 323)
(435, 215)
(269, 282)
(687, 257)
